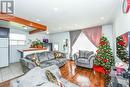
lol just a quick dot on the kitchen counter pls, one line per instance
(28, 51)
(32, 49)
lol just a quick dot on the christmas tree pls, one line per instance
(104, 57)
(121, 49)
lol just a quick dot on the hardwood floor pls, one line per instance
(80, 75)
(77, 75)
(5, 84)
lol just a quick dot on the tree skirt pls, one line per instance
(100, 69)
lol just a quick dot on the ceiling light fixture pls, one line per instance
(47, 32)
(56, 9)
(37, 20)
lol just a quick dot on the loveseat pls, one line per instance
(84, 58)
(37, 78)
(45, 58)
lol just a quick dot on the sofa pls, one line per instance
(84, 58)
(37, 78)
(45, 58)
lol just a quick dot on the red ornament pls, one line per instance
(97, 57)
(97, 51)
(102, 43)
(105, 60)
(121, 43)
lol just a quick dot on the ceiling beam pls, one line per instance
(34, 31)
(37, 26)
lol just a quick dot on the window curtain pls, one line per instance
(125, 38)
(73, 37)
(93, 34)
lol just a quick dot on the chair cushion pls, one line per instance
(42, 56)
(53, 61)
(61, 60)
(45, 64)
(50, 55)
(82, 60)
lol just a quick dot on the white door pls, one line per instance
(3, 57)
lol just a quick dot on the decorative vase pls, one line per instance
(45, 40)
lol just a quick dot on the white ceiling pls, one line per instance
(66, 15)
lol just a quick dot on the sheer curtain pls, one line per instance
(93, 34)
(73, 37)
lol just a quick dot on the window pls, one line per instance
(86, 44)
(56, 47)
(17, 39)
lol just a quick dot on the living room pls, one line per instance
(64, 43)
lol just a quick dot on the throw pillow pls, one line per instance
(54, 69)
(58, 55)
(36, 60)
(52, 78)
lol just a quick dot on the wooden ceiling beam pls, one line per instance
(39, 27)
(34, 31)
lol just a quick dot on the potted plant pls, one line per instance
(40, 44)
(37, 44)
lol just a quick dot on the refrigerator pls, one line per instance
(4, 47)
